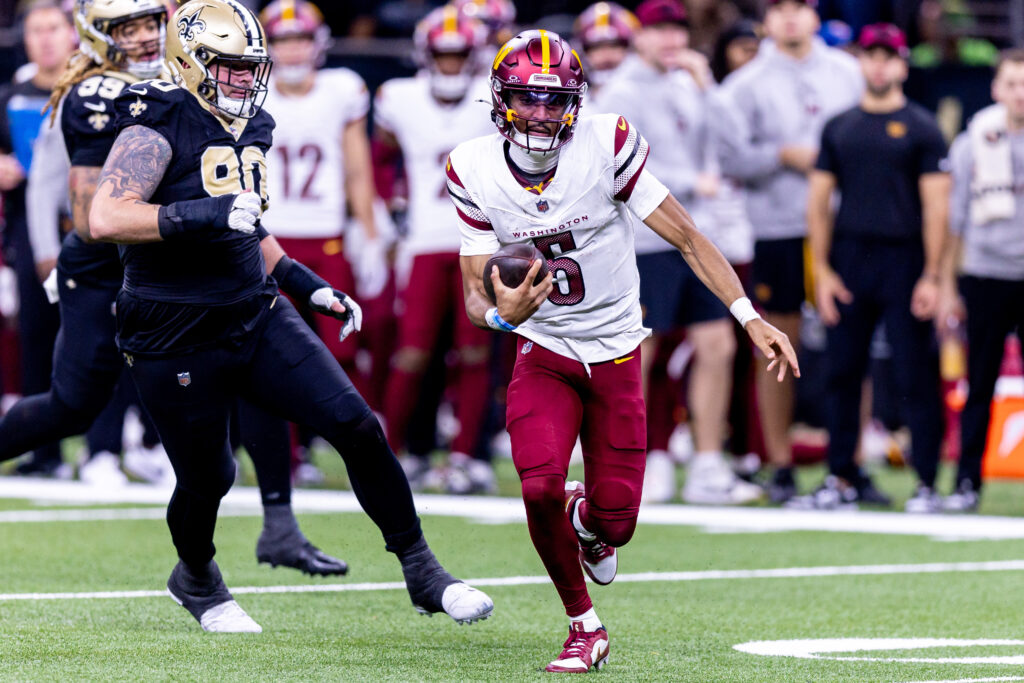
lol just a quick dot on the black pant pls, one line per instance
(995, 308)
(283, 368)
(881, 277)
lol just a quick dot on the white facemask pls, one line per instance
(292, 74)
(449, 87)
(534, 161)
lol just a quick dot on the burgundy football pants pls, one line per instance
(551, 401)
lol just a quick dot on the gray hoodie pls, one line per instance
(995, 249)
(772, 102)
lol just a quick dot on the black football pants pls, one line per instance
(284, 369)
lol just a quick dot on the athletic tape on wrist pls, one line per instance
(743, 311)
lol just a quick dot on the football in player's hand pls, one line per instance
(513, 261)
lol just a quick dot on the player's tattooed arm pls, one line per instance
(121, 211)
(82, 182)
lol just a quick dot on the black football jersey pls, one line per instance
(87, 124)
(209, 158)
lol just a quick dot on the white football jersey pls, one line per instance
(305, 164)
(427, 132)
(583, 221)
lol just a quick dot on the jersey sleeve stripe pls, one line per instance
(452, 175)
(472, 222)
(625, 164)
(626, 176)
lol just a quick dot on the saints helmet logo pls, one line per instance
(137, 107)
(191, 26)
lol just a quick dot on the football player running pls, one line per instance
(425, 117)
(575, 188)
(199, 318)
(122, 41)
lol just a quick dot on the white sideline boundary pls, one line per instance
(245, 501)
(644, 577)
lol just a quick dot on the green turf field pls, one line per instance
(662, 630)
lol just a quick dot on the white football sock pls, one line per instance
(578, 525)
(589, 619)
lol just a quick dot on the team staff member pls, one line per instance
(200, 322)
(768, 118)
(987, 247)
(880, 262)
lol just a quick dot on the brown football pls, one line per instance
(513, 261)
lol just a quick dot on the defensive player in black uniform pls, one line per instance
(121, 42)
(201, 323)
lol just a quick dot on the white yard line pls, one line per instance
(645, 577)
(243, 501)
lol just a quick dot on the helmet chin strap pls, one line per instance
(232, 106)
(145, 70)
(532, 161)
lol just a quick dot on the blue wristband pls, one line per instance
(496, 322)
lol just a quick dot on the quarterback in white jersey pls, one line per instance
(424, 118)
(574, 189)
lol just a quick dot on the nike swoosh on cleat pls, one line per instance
(620, 361)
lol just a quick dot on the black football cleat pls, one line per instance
(301, 555)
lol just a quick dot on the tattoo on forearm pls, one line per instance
(82, 181)
(136, 163)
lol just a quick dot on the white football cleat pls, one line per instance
(464, 604)
(228, 617)
(582, 651)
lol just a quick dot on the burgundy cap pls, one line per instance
(810, 3)
(651, 12)
(885, 36)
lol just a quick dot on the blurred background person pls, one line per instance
(424, 118)
(767, 119)
(604, 32)
(877, 260)
(662, 91)
(987, 252)
(320, 168)
(49, 41)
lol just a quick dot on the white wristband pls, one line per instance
(743, 311)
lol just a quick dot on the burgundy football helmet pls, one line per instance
(288, 18)
(605, 22)
(542, 66)
(446, 31)
(497, 15)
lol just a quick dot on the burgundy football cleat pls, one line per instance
(582, 651)
(599, 559)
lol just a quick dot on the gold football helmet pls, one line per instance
(210, 42)
(95, 21)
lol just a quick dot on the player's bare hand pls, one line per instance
(950, 312)
(828, 289)
(924, 301)
(775, 345)
(517, 304)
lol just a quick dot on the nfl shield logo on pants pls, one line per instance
(184, 378)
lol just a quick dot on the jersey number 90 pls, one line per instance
(226, 171)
